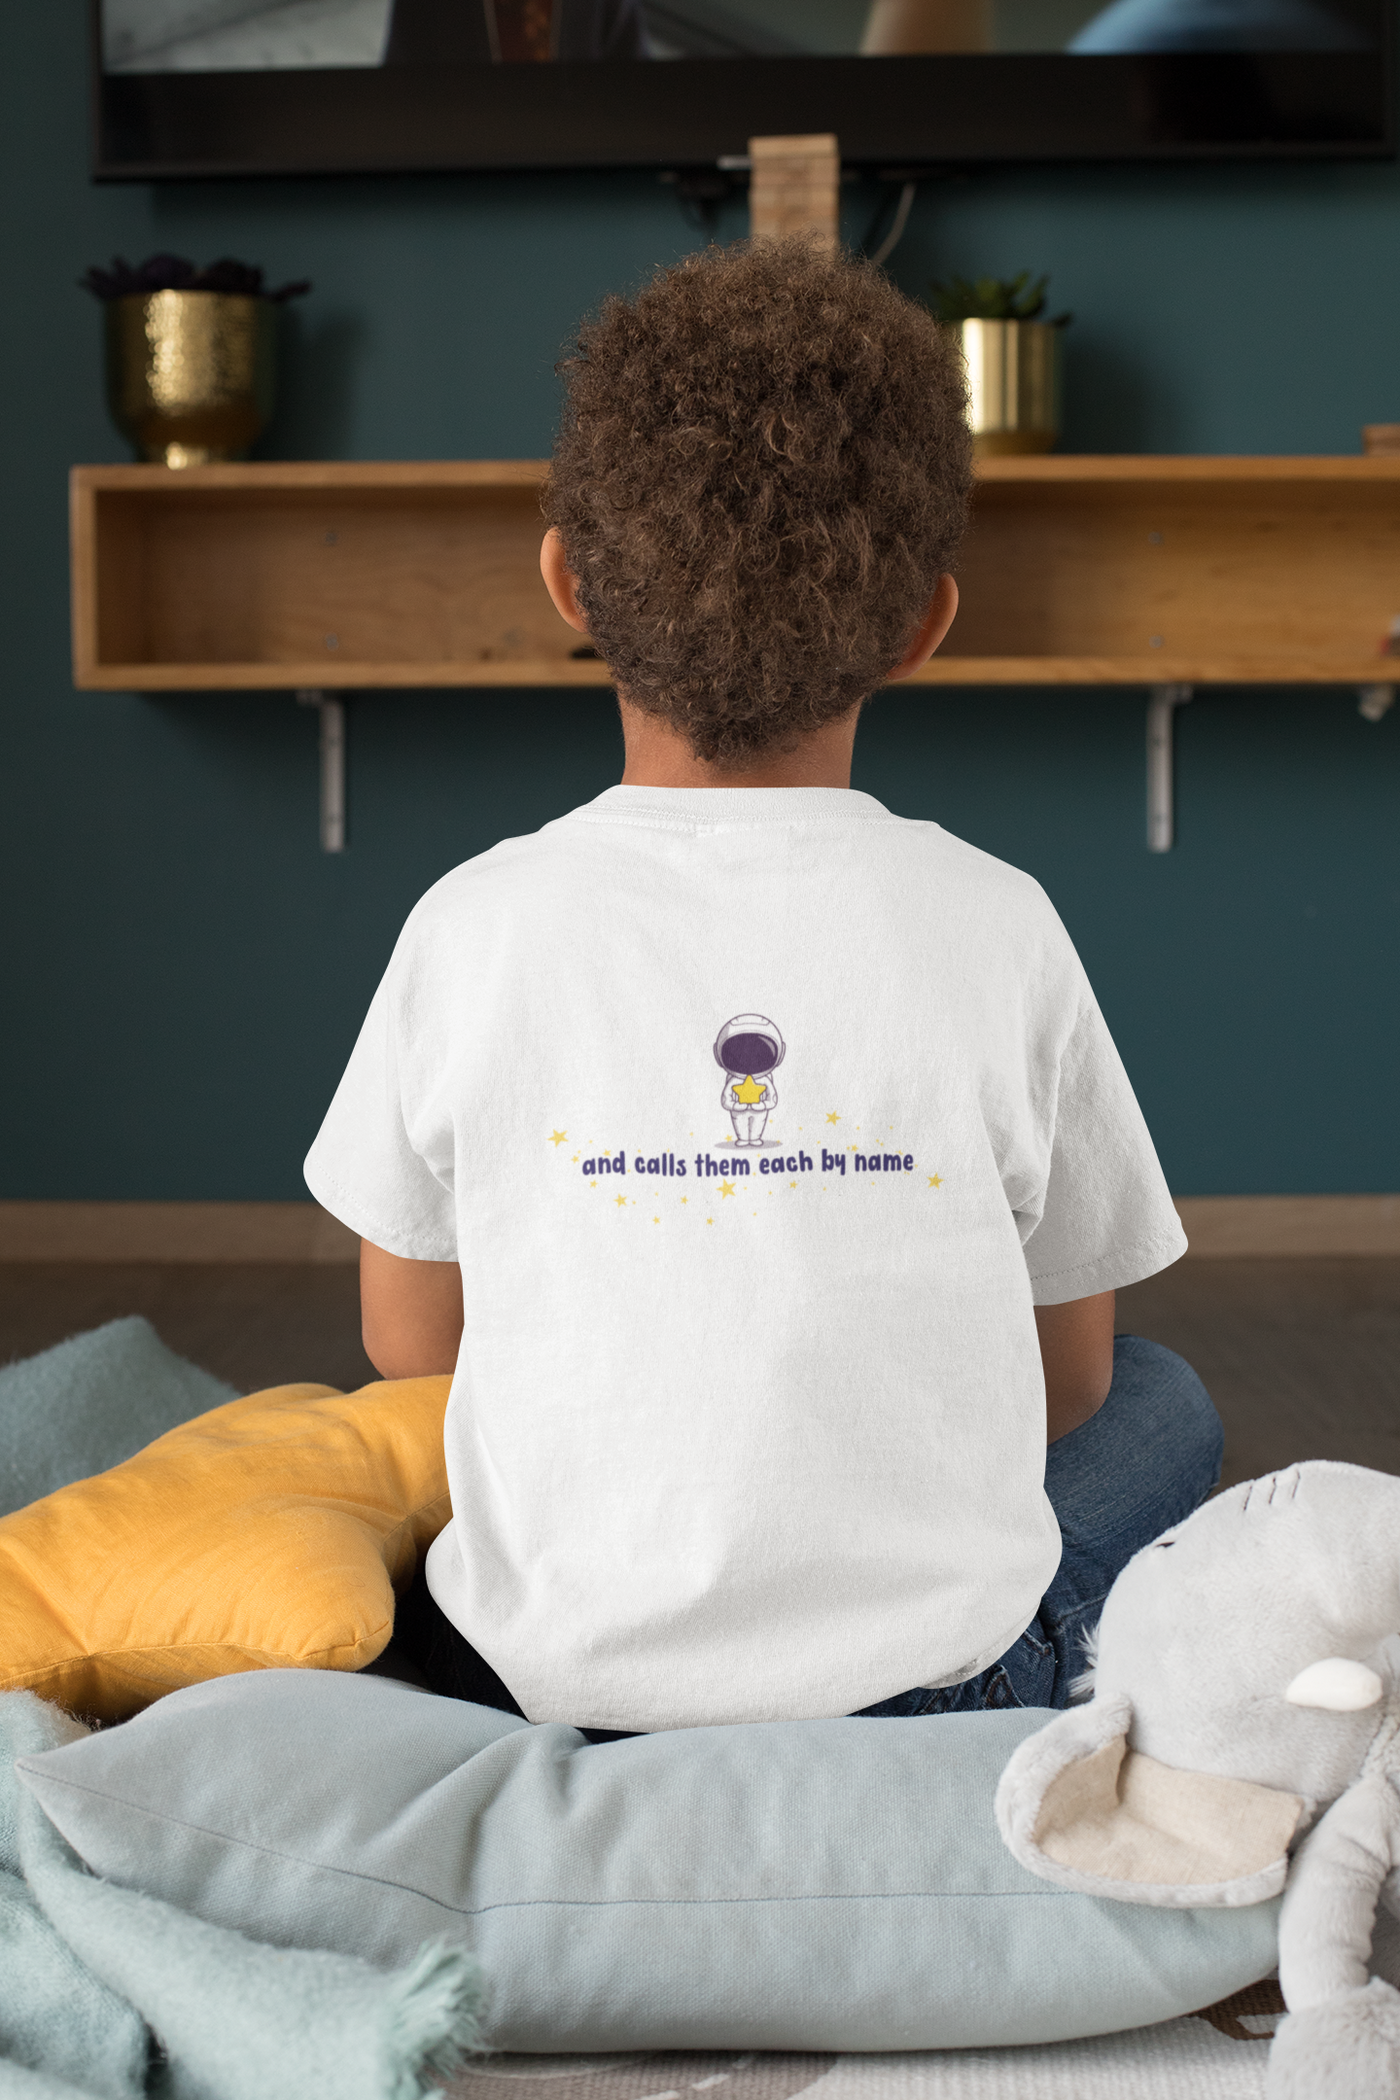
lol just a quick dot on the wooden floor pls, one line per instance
(1301, 1356)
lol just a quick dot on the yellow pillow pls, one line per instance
(268, 1534)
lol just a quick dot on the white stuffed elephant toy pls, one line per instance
(1246, 1694)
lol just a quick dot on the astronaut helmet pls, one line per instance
(749, 1046)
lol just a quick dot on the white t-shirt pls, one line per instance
(758, 1121)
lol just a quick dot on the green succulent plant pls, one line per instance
(992, 299)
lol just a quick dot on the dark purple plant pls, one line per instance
(176, 273)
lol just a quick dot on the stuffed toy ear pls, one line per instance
(1077, 1807)
(1336, 1685)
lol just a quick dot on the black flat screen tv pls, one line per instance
(297, 87)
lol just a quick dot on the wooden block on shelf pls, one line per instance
(794, 187)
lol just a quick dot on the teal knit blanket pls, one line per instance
(110, 1995)
(106, 1994)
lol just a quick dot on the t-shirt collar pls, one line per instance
(731, 806)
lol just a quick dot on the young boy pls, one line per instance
(757, 1430)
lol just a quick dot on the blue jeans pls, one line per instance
(1147, 1459)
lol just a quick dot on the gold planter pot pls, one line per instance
(1013, 385)
(190, 374)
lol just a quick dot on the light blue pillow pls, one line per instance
(91, 1402)
(814, 1885)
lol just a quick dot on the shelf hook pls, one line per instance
(1162, 704)
(332, 712)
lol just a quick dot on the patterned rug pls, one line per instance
(1216, 2054)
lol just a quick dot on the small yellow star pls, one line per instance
(557, 1137)
(728, 1189)
(685, 1199)
(709, 1221)
(619, 1201)
(792, 1184)
(656, 1221)
(935, 1181)
(575, 1161)
(593, 1184)
(748, 1091)
(832, 1116)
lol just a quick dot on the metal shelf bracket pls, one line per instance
(332, 712)
(1162, 704)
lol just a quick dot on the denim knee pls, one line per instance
(1166, 1384)
(1141, 1464)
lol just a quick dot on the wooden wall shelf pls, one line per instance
(1194, 571)
(315, 575)
(1078, 571)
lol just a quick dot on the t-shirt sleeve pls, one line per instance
(1107, 1219)
(392, 1186)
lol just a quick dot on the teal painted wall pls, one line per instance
(184, 970)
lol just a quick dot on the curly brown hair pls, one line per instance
(762, 469)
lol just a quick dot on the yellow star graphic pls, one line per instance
(575, 1160)
(728, 1189)
(792, 1184)
(748, 1091)
(832, 1116)
(656, 1221)
(709, 1221)
(619, 1201)
(935, 1181)
(557, 1137)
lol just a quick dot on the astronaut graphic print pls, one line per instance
(748, 1050)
